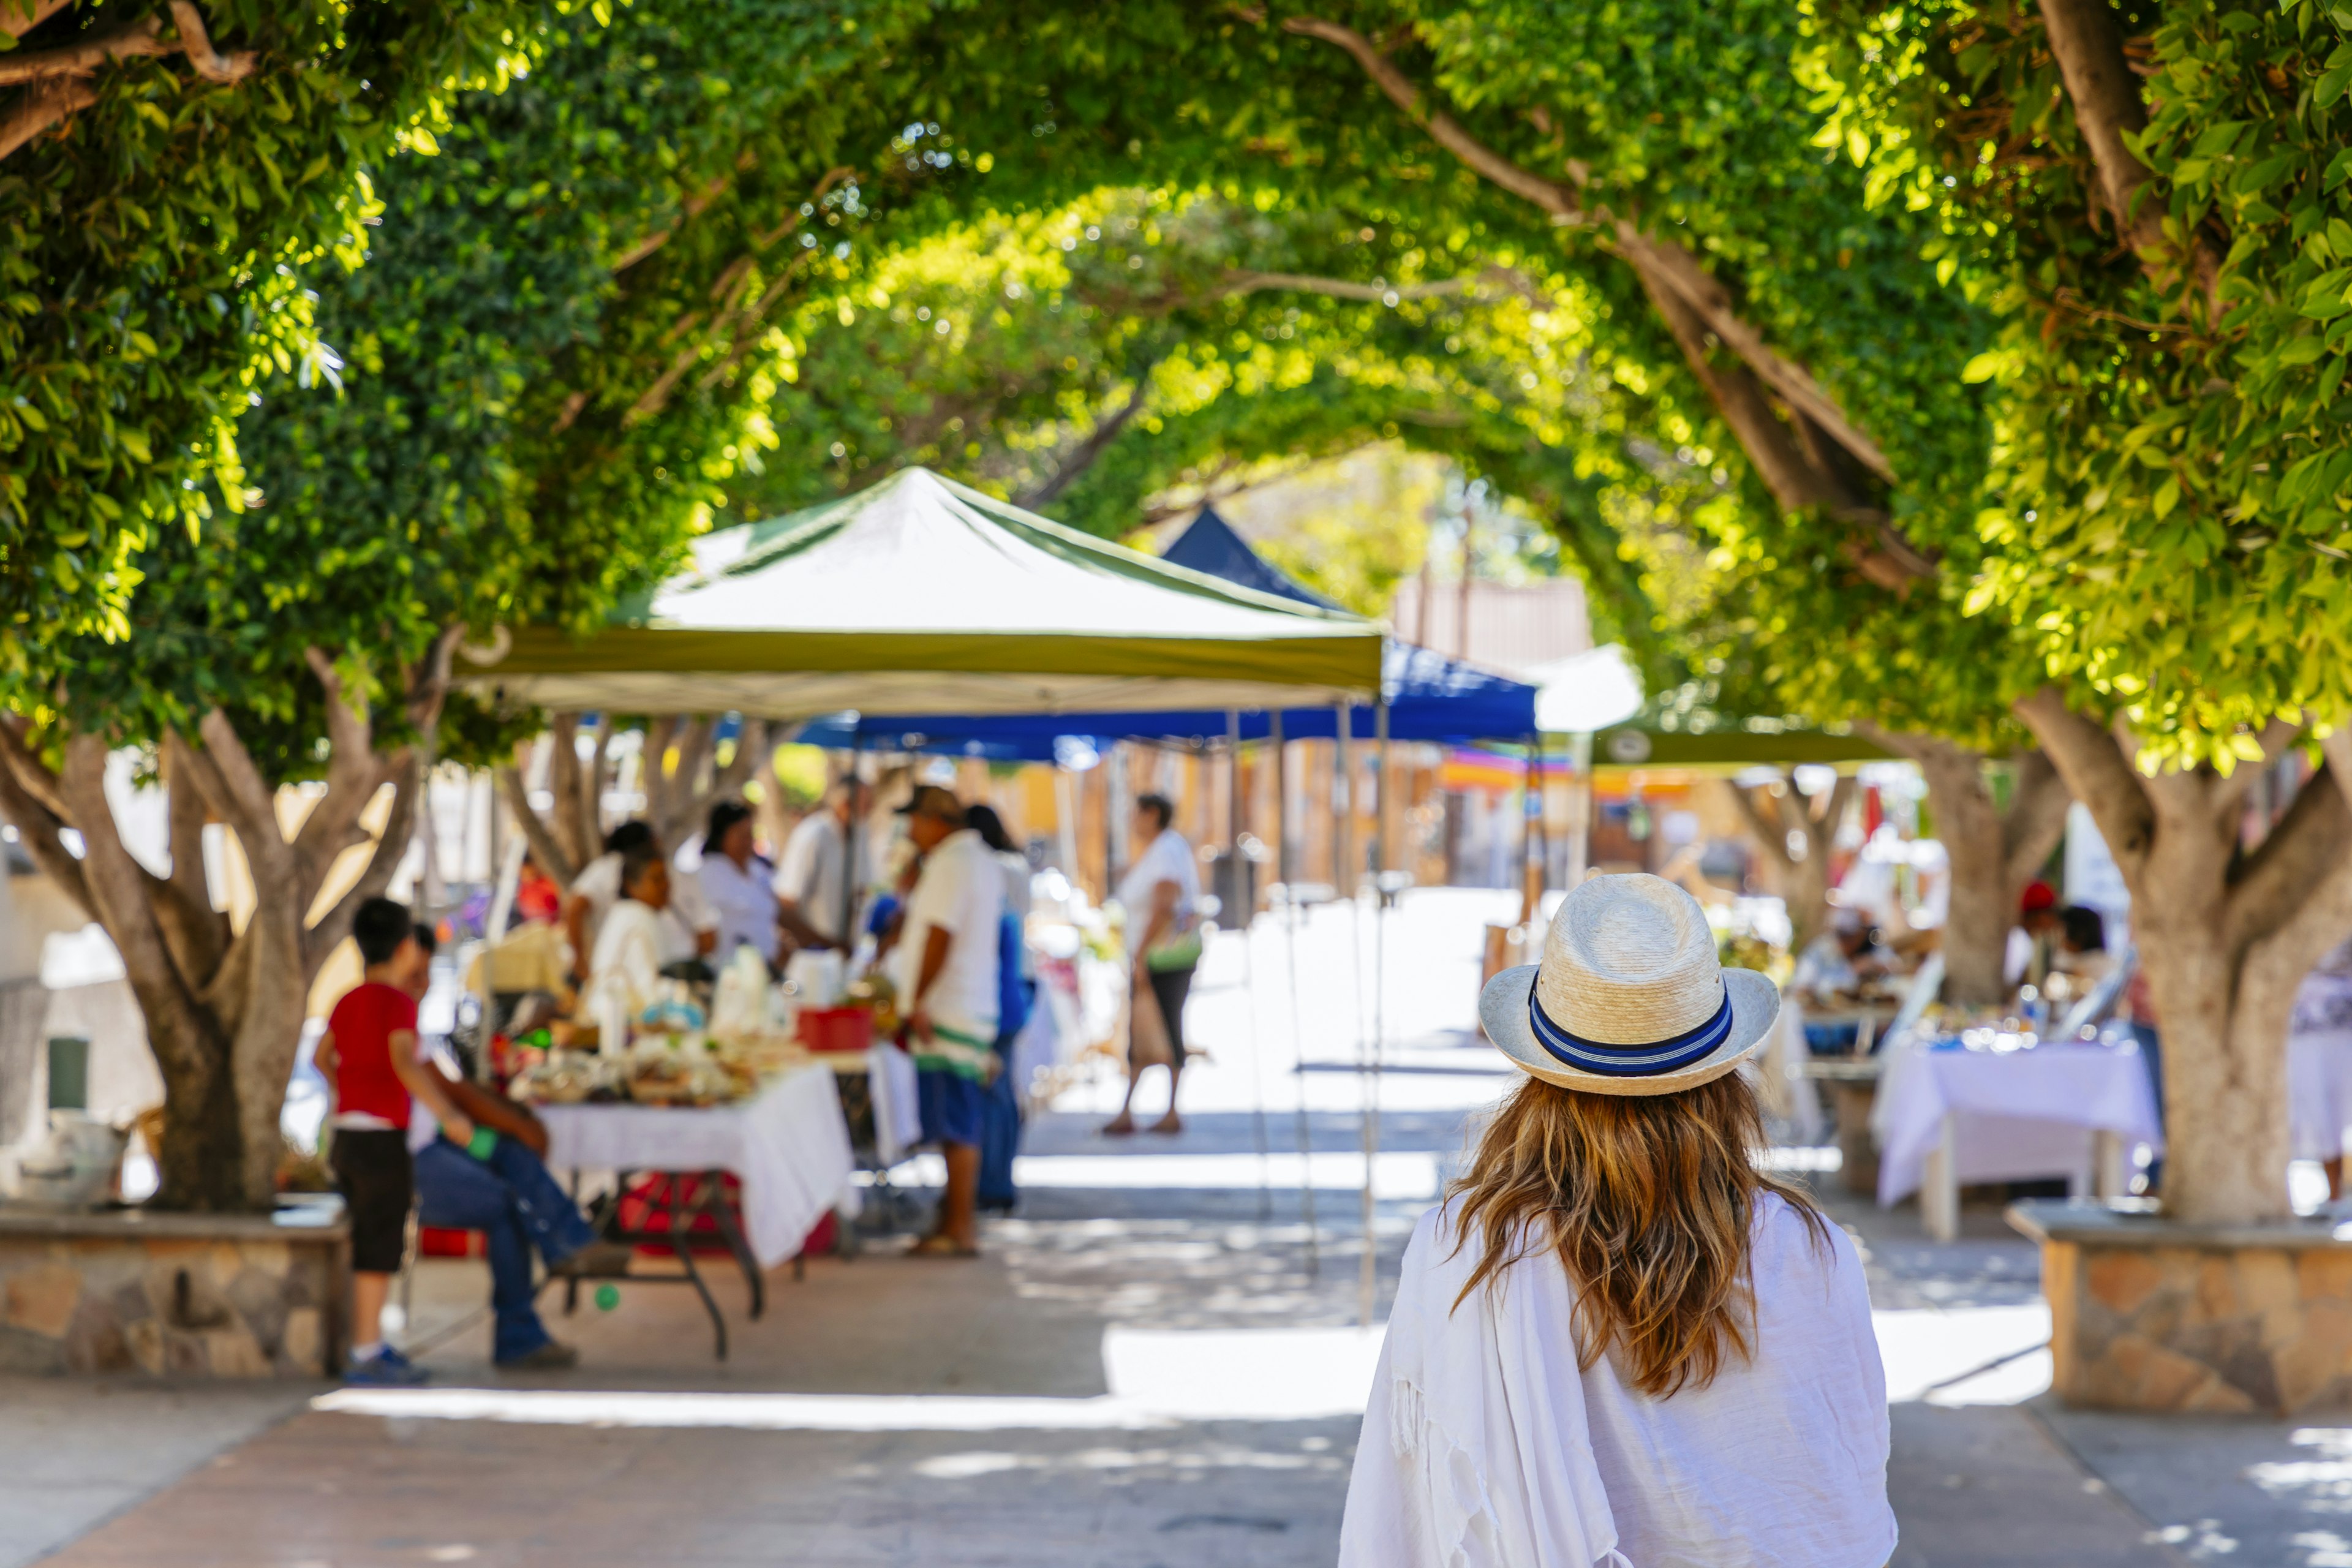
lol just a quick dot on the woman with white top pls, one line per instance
(736, 885)
(634, 943)
(1620, 1342)
(1163, 939)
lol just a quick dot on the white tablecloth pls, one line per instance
(789, 1146)
(897, 1102)
(2019, 1114)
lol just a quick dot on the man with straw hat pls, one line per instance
(1620, 1341)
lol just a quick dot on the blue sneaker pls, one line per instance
(386, 1369)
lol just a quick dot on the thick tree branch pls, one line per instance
(751, 751)
(2300, 853)
(18, 18)
(2105, 94)
(661, 732)
(2035, 823)
(1087, 453)
(1771, 834)
(427, 683)
(353, 774)
(2096, 768)
(570, 793)
(40, 107)
(32, 775)
(1797, 481)
(1674, 264)
(198, 934)
(246, 800)
(117, 883)
(86, 54)
(391, 848)
(139, 40)
(552, 856)
(1827, 815)
(209, 62)
(1504, 280)
(39, 827)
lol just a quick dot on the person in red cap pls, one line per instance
(2034, 939)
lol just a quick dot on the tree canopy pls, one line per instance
(165, 186)
(2171, 486)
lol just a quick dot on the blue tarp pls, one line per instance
(1211, 545)
(1430, 696)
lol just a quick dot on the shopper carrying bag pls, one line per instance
(1620, 1342)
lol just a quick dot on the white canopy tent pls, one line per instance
(922, 594)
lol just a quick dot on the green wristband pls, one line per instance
(480, 1144)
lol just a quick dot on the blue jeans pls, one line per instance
(512, 1200)
(999, 1130)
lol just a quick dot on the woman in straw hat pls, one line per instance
(1620, 1342)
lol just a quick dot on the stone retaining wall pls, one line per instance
(172, 1295)
(2147, 1315)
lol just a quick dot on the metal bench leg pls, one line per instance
(681, 1244)
(732, 1235)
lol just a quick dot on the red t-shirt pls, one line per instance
(363, 1023)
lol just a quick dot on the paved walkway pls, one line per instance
(1158, 1363)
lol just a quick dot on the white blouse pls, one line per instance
(1485, 1447)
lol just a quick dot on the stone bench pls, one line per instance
(2149, 1314)
(179, 1295)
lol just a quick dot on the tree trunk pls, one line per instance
(1799, 873)
(201, 1162)
(224, 1009)
(678, 792)
(2224, 940)
(1994, 850)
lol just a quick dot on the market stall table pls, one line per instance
(787, 1146)
(1853, 1093)
(1946, 1116)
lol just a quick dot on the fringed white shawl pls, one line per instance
(1484, 1446)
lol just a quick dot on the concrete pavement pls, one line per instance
(1156, 1363)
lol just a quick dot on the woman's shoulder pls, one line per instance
(1790, 1241)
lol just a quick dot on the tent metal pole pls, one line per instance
(1369, 1285)
(1530, 801)
(1298, 1034)
(1348, 885)
(849, 846)
(1579, 831)
(1247, 926)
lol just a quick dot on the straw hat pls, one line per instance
(1629, 998)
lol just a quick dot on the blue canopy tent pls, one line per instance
(1210, 544)
(1430, 696)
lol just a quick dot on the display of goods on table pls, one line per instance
(674, 1056)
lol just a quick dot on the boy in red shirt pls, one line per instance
(369, 1058)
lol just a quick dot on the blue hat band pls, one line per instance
(1642, 1060)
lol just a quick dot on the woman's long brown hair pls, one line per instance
(1647, 1199)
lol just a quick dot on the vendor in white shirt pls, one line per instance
(810, 875)
(635, 942)
(598, 886)
(735, 885)
(1163, 939)
(945, 971)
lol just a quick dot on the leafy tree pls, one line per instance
(1662, 154)
(2151, 197)
(549, 379)
(163, 183)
